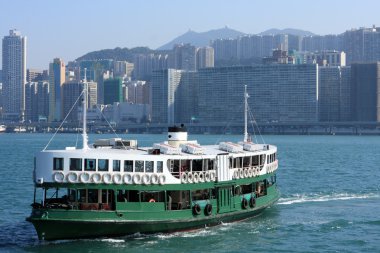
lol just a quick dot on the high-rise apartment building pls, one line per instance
(164, 87)
(71, 91)
(36, 101)
(113, 91)
(205, 57)
(14, 76)
(185, 57)
(56, 80)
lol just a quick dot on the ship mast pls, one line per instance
(245, 113)
(84, 134)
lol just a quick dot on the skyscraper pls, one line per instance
(56, 79)
(14, 75)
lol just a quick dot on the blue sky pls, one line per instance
(71, 28)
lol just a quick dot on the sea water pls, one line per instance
(330, 200)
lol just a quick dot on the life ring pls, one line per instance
(196, 209)
(136, 179)
(190, 177)
(145, 179)
(184, 178)
(107, 178)
(241, 173)
(257, 171)
(72, 177)
(196, 177)
(161, 179)
(154, 178)
(152, 200)
(201, 177)
(58, 177)
(252, 202)
(96, 178)
(117, 179)
(84, 177)
(208, 210)
(212, 176)
(127, 178)
(236, 174)
(246, 173)
(250, 172)
(207, 176)
(244, 203)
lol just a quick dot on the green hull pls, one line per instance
(70, 224)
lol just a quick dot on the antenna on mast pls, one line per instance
(84, 134)
(246, 96)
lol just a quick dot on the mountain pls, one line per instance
(120, 54)
(202, 38)
(298, 32)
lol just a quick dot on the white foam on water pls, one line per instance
(302, 198)
(112, 240)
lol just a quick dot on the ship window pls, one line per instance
(185, 165)
(90, 164)
(237, 162)
(82, 196)
(76, 164)
(92, 196)
(116, 165)
(128, 166)
(57, 163)
(255, 160)
(160, 165)
(197, 165)
(149, 166)
(246, 161)
(139, 166)
(200, 194)
(210, 164)
(102, 165)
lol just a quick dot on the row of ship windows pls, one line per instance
(103, 165)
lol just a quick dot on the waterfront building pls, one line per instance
(365, 91)
(279, 93)
(14, 75)
(113, 91)
(36, 101)
(126, 113)
(329, 94)
(56, 79)
(71, 91)
(345, 94)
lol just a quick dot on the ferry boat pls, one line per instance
(114, 187)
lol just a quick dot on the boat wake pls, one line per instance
(304, 198)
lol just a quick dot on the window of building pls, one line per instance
(139, 166)
(102, 165)
(57, 163)
(128, 166)
(76, 164)
(116, 165)
(90, 164)
(149, 166)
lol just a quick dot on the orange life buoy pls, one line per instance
(152, 200)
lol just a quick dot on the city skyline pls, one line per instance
(70, 29)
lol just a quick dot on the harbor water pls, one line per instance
(330, 200)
